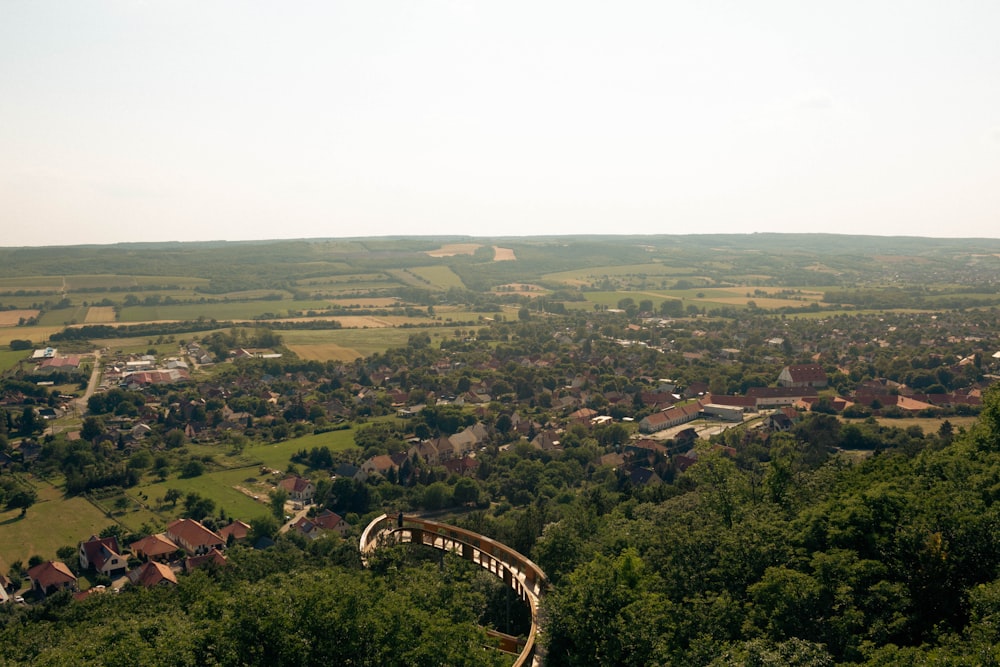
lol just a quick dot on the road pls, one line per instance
(296, 515)
(95, 377)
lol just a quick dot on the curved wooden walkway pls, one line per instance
(517, 571)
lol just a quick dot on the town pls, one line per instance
(135, 461)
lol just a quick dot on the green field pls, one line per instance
(346, 344)
(31, 283)
(379, 278)
(219, 486)
(73, 314)
(9, 358)
(649, 271)
(240, 310)
(50, 523)
(279, 455)
(123, 282)
(438, 277)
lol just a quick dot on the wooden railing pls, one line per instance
(517, 571)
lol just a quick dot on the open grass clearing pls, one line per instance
(367, 302)
(452, 249)
(9, 358)
(48, 284)
(279, 455)
(36, 334)
(71, 315)
(349, 344)
(100, 315)
(522, 289)
(651, 270)
(439, 277)
(10, 318)
(219, 486)
(929, 425)
(503, 254)
(241, 310)
(52, 522)
(120, 281)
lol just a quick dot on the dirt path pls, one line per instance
(95, 377)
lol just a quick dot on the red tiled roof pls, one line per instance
(237, 529)
(213, 556)
(151, 573)
(192, 532)
(51, 573)
(294, 484)
(154, 545)
(99, 549)
(807, 373)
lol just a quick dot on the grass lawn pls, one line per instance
(238, 310)
(279, 455)
(652, 271)
(928, 424)
(349, 344)
(219, 486)
(34, 334)
(9, 358)
(50, 523)
(73, 314)
(439, 277)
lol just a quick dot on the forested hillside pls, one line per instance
(893, 561)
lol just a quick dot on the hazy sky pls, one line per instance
(132, 120)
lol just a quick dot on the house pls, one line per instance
(582, 416)
(346, 470)
(50, 577)
(546, 441)
(238, 530)
(614, 460)
(463, 442)
(193, 537)
(672, 416)
(379, 465)
(213, 557)
(103, 555)
(643, 476)
(307, 527)
(426, 450)
(298, 488)
(745, 403)
(724, 412)
(465, 466)
(327, 520)
(152, 573)
(802, 375)
(779, 421)
(67, 364)
(770, 397)
(154, 547)
(645, 447)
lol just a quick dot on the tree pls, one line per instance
(466, 492)
(92, 427)
(193, 468)
(278, 499)
(29, 422)
(172, 496)
(22, 499)
(196, 507)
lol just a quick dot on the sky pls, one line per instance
(135, 120)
